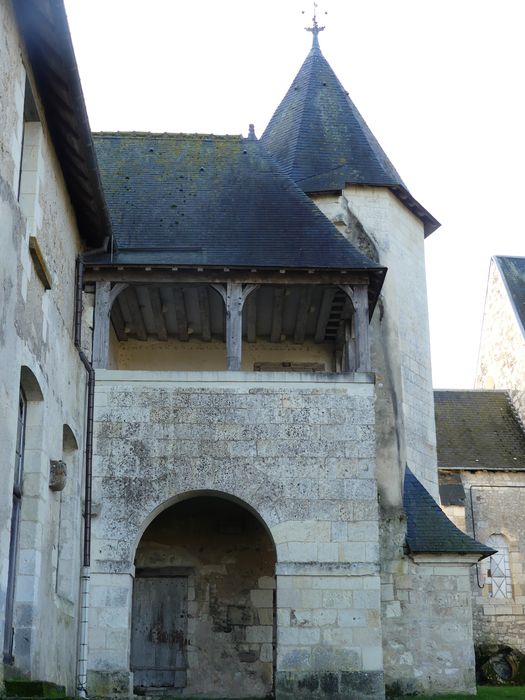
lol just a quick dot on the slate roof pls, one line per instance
(44, 28)
(478, 430)
(190, 199)
(513, 272)
(428, 528)
(321, 140)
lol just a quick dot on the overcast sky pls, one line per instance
(440, 83)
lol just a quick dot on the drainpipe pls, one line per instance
(88, 462)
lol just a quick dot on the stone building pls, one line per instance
(481, 460)
(218, 339)
(501, 360)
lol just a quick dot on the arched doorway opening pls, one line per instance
(203, 620)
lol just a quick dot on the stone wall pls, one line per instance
(501, 359)
(296, 449)
(36, 333)
(498, 501)
(382, 228)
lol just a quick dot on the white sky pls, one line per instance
(440, 83)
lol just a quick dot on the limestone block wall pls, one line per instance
(36, 329)
(298, 450)
(498, 503)
(376, 221)
(501, 359)
(427, 626)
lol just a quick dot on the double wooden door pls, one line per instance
(159, 627)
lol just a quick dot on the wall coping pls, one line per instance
(229, 378)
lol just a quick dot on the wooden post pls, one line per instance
(234, 297)
(101, 326)
(361, 327)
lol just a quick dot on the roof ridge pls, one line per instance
(169, 134)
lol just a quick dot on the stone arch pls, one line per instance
(186, 495)
(203, 610)
(30, 384)
(69, 440)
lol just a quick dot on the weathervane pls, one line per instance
(315, 28)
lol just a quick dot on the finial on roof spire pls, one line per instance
(315, 28)
(251, 133)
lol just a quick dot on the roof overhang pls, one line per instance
(44, 29)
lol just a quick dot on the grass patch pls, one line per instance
(484, 693)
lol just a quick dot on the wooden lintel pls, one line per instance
(324, 314)
(185, 277)
(302, 315)
(277, 314)
(204, 308)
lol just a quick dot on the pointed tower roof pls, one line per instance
(320, 139)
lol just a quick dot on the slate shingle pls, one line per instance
(478, 430)
(183, 199)
(321, 140)
(428, 528)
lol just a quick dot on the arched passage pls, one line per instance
(204, 600)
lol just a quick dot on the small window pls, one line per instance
(497, 569)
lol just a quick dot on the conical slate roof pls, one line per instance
(320, 139)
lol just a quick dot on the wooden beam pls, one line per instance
(117, 289)
(251, 318)
(101, 327)
(234, 304)
(204, 307)
(168, 276)
(302, 314)
(324, 314)
(136, 315)
(158, 316)
(362, 321)
(168, 309)
(146, 309)
(118, 322)
(277, 315)
(180, 311)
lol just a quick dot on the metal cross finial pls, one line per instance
(315, 28)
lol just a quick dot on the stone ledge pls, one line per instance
(225, 378)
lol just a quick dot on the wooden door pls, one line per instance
(158, 633)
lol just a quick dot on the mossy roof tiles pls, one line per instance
(189, 199)
(478, 430)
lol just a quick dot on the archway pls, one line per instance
(203, 602)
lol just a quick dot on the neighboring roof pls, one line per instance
(44, 29)
(196, 199)
(428, 528)
(320, 139)
(478, 430)
(513, 272)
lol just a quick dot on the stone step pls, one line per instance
(33, 689)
